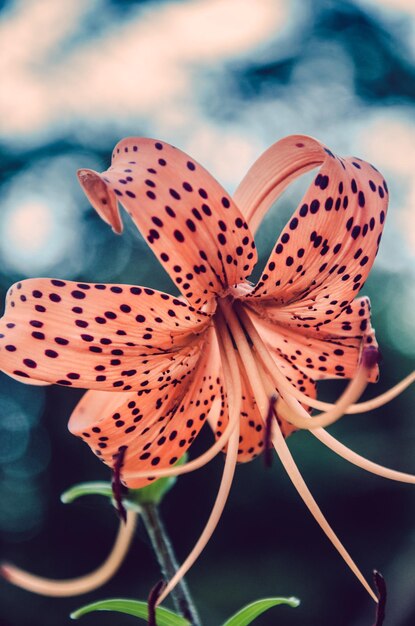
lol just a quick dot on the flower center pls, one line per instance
(261, 367)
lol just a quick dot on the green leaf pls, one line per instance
(134, 608)
(99, 488)
(247, 615)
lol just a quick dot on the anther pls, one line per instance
(153, 596)
(371, 356)
(118, 489)
(268, 431)
(381, 591)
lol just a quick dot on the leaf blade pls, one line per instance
(250, 612)
(135, 608)
(94, 488)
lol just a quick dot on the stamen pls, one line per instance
(371, 356)
(358, 460)
(382, 595)
(118, 489)
(360, 407)
(292, 411)
(383, 398)
(299, 483)
(153, 596)
(234, 390)
(268, 431)
(289, 407)
(83, 584)
(285, 384)
(341, 449)
(261, 394)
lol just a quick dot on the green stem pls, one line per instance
(168, 562)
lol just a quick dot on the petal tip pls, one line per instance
(101, 197)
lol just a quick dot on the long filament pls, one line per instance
(299, 483)
(291, 410)
(360, 407)
(360, 461)
(234, 392)
(257, 386)
(316, 422)
(83, 584)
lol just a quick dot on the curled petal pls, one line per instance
(326, 250)
(189, 221)
(109, 337)
(153, 427)
(275, 169)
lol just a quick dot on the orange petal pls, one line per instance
(275, 169)
(330, 351)
(109, 337)
(325, 252)
(187, 218)
(156, 426)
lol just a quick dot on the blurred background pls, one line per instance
(221, 79)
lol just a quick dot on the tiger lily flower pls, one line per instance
(157, 366)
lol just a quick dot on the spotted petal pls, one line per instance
(330, 351)
(189, 221)
(109, 337)
(325, 252)
(155, 426)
